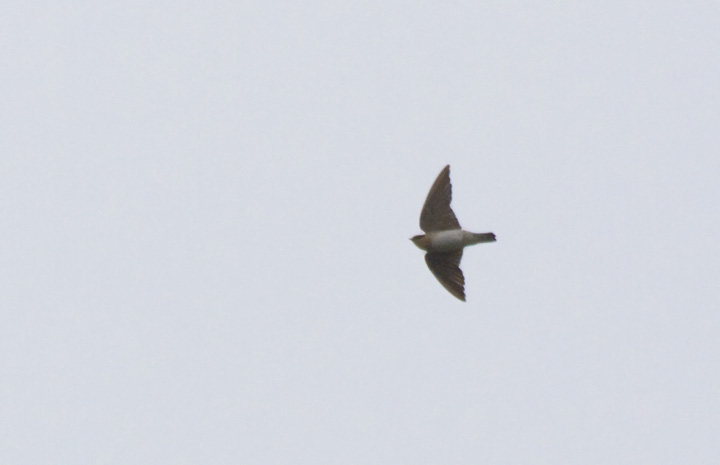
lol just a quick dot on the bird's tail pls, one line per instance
(483, 237)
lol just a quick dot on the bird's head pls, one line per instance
(421, 241)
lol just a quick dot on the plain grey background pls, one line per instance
(205, 212)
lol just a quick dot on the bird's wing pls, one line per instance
(446, 268)
(436, 213)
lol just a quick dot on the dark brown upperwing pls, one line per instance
(446, 268)
(436, 213)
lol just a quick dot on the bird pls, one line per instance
(444, 239)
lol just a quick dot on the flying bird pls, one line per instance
(444, 240)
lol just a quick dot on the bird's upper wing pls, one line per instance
(436, 213)
(446, 268)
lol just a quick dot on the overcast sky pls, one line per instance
(205, 210)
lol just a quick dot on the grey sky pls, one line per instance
(205, 218)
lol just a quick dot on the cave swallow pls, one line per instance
(444, 239)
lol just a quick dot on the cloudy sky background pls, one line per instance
(206, 207)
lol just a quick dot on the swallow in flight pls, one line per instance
(444, 240)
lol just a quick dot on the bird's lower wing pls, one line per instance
(446, 268)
